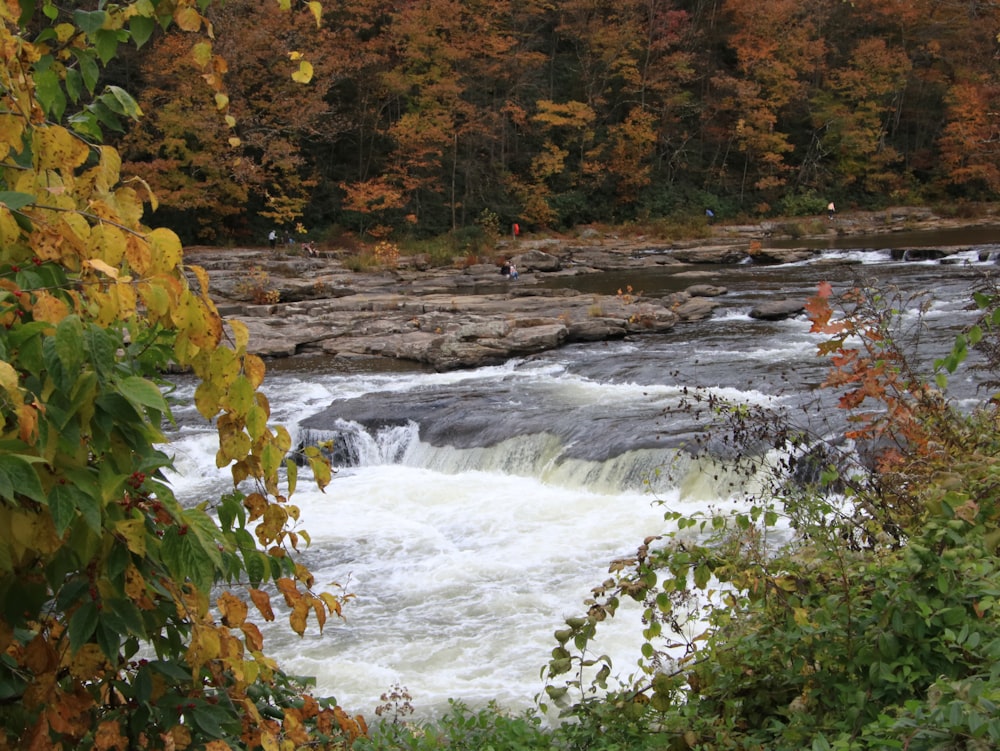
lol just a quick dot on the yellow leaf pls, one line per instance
(155, 298)
(108, 168)
(9, 382)
(257, 424)
(10, 233)
(287, 587)
(87, 663)
(268, 741)
(241, 334)
(133, 531)
(166, 249)
(320, 612)
(254, 368)
(332, 603)
(188, 19)
(99, 265)
(206, 399)
(304, 74)
(317, 11)
(256, 504)
(135, 584)
(56, 148)
(48, 308)
(235, 142)
(107, 243)
(27, 422)
(205, 645)
(138, 254)
(233, 445)
(283, 438)
(124, 292)
(11, 130)
(221, 101)
(180, 735)
(292, 472)
(230, 121)
(104, 307)
(201, 53)
(298, 617)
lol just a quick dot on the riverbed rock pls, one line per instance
(778, 310)
(469, 314)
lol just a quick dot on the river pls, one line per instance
(467, 531)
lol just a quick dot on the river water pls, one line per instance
(489, 502)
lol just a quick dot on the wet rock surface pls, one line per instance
(461, 317)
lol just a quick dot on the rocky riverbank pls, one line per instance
(470, 315)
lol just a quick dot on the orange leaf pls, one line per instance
(254, 638)
(263, 602)
(299, 616)
(287, 587)
(233, 609)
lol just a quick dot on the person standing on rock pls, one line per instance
(273, 238)
(830, 210)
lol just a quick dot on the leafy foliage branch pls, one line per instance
(121, 624)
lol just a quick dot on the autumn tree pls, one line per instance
(182, 148)
(205, 168)
(777, 49)
(855, 113)
(125, 612)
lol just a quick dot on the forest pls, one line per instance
(419, 116)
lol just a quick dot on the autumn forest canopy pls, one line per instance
(420, 115)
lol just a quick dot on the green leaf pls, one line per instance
(68, 350)
(65, 501)
(206, 533)
(122, 102)
(186, 557)
(82, 625)
(18, 477)
(101, 347)
(14, 200)
(142, 393)
(106, 43)
(27, 11)
(141, 28)
(89, 68)
(702, 574)
(89, 22)
(50, 94)
(74, 84)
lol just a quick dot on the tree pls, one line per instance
(181, 147)
(110, 632)
(854, 114)
(204, 168)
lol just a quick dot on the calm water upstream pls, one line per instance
(468, 539)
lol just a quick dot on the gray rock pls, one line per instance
(537, 260)
(778, 310)
(706, 290)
